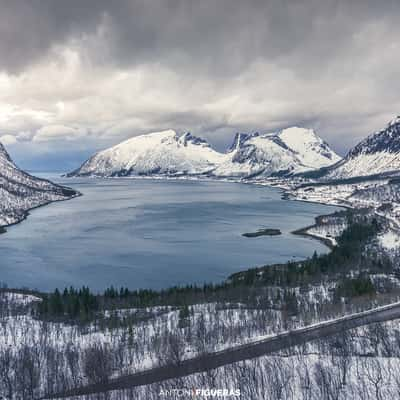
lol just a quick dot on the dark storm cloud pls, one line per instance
(28, 29)
(220, 36)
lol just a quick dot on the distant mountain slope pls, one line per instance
(287, 152)
(378, 154)
(164, 153)
(20, 192)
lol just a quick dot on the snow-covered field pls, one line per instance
(316, 372)
(56, 355)
(58, 352)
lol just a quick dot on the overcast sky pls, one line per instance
(80, 75)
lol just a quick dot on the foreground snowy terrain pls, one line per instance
(40, 356)
(20, 192)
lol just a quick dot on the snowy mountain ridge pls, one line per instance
(377, 154)
(287, 152)
(20, 192)
(166, 153)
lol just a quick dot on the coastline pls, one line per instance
(304, 233)
(3, 228)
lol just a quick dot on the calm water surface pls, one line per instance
(153, 234)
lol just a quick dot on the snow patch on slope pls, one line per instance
(390, 240)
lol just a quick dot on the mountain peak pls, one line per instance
(296, 135)
(288, 151)
(239, 139)
(377, 154)
(157, 153)
(166, 132)
(189, 138)
(386, 140)
(305, 141)
(295, 131)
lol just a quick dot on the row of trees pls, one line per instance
(348, 254)
(354, 287)
(71, 304)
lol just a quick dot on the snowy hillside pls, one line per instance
(156, 153)
(377, 154)
(20, 191)
(289, 151)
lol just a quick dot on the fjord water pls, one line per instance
(146, 233)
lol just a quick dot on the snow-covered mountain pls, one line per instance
(20, 192)
(289, 151)
(379, 153)
(164, 153)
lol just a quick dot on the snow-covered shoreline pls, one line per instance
(27, 212)
(21, 192)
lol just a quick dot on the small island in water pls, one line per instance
(263, 232)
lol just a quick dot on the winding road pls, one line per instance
(243, 352)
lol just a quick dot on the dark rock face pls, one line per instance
(377, 156)
(240, 139)
(387, 139)
(188, 137)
